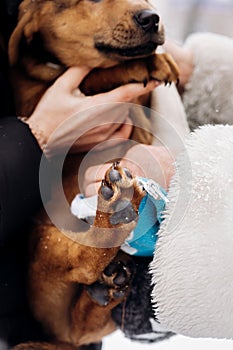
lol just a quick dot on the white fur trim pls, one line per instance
(193, 262)
(208, 98)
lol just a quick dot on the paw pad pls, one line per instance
(118, 192)
(114, 175)
(114, 283)
(123, 213)
(106, 191)
(99, 293)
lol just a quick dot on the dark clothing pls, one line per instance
(19, 177)
(8, 17)
(19, 199)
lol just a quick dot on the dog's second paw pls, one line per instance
(113, 285)
(163, 68)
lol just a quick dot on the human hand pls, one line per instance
(64, 114)
(154, 162)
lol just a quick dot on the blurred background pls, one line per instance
(181, 18)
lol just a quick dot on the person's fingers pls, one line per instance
(102, 142)
(121, 135)
(123, 132)
(93, 178)
(128, 92)
(92, 189)
(100, 132)
(113, 130)
(72, 77)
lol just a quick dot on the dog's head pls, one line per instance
(97, 33)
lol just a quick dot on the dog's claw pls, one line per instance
(145, 82)
(115, 164)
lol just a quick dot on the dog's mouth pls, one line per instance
(127, 52)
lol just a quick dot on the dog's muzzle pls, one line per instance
(140, 38)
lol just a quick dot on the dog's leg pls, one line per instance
(160, 67)
(71, 265)
(119, 198)
(117, 211)
(91, 316)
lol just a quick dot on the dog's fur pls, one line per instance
(105, 36)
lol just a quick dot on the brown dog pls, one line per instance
(117, 38)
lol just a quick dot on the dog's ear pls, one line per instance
(26, 27)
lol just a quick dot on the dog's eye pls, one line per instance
(95, 0)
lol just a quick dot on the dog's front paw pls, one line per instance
(114, 283)
(163, 68)
(119, 199)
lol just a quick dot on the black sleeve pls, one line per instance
(20, 157)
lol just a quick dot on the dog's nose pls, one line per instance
(148, 20)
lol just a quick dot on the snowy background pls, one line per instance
(117, 341)
(182, 17)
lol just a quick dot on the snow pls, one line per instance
(117, 340)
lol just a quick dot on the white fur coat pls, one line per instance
(208, 96)
(193, 262)
(192, 269)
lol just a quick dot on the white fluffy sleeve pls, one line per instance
(208, 97)
(193, 263)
